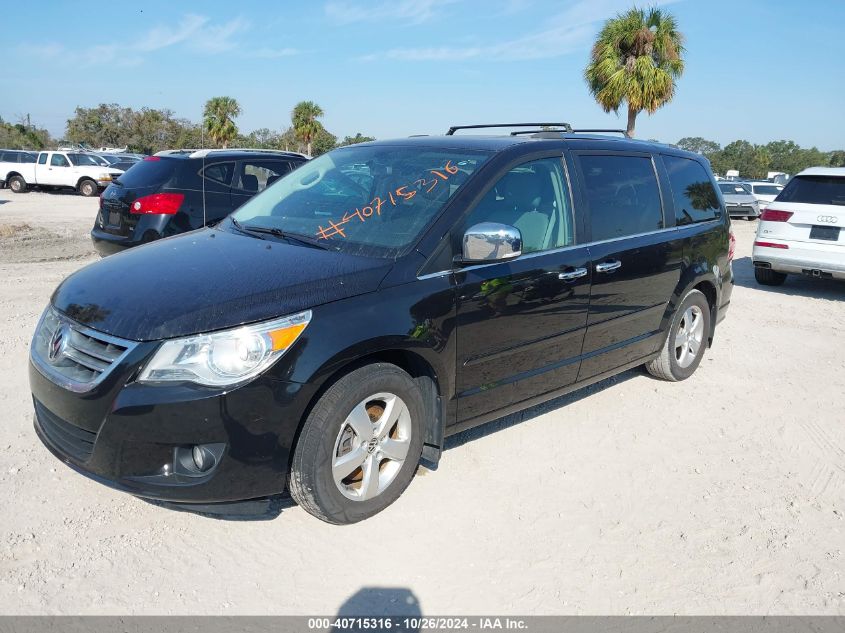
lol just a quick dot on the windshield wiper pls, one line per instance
(242, 229)
(276, 232)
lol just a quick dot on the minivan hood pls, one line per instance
(209, 280)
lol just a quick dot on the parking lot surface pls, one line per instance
(722, 494)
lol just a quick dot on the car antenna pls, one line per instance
(202, 173)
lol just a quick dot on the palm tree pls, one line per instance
(636, 59)
(305, 124)
(218, 120)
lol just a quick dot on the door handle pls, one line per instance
(569, 275)
(608, 267)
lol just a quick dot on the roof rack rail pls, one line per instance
(598, 131)
(199, 153)
(205, 152)
(526, 132)
(566, 127)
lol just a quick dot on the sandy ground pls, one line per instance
(724, 494)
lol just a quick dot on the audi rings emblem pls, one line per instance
(827, 219)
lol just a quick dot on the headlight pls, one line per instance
(227, 358)
(104, 177)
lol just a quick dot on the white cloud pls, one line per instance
(272, 53)
(196, 33)
(163, 36)
(566, 32)
(216, 38)
(412, 11)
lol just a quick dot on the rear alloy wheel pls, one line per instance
(684, 347)
(768, 277)
(360, 446)
(88, 188)
(17, 184)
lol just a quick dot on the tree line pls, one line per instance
(755, 161)
(23, 135)
(150, 130)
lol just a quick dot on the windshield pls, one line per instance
(366, 200)
(85, 159)
(733, 189)
(767, 190)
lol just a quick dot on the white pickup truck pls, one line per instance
(74, 170)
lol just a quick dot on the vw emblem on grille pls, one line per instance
(827, 219)
(58, 343)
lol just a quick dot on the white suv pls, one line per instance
(803, 230)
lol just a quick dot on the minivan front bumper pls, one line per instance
(130, 436)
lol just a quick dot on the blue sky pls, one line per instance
(759, 70)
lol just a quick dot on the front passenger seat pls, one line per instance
(530, 200)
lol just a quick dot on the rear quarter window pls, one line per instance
(814, 190)
(692, 191)
(151, 172)
(257, 175)
(220, 173)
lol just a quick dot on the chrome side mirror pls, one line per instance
(491, 242)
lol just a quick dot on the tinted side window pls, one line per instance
(695, 198)
(220, 172)
(58, 160)
(622, 195)
(26, 157)
(532, 197)
(42, 159)
(8, 157)
(257, 175)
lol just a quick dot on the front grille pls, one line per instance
(70, 439)
(74, 356)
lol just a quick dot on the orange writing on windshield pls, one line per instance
(405, 193)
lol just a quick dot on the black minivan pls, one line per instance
(176, 191)
(330, 333)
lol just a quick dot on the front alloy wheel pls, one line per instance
(360, 445)
(371, 446)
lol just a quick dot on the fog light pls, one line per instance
(197, 460)
(201, 461)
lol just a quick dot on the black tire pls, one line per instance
(88, 188)
(667, 365)
(768, 277)
(311, 482)
(17, 184)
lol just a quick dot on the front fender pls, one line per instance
(416, 319)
